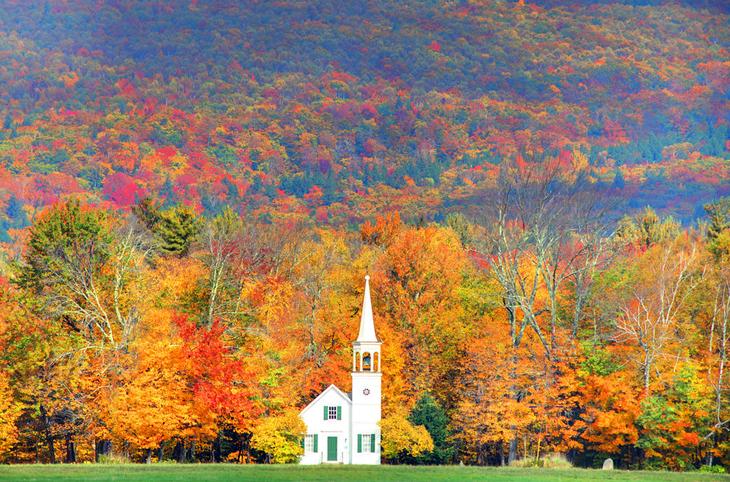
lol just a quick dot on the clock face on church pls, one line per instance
(366, 391)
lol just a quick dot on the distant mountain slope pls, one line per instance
(337, 110)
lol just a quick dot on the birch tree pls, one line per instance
(718, 344)
(649, 318)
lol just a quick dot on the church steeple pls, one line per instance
(366, 387)
(366, 349)
(367, 324)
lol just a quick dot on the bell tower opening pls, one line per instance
(366, 365)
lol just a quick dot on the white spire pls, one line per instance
(367, 325)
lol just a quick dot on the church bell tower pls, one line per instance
(366, 388)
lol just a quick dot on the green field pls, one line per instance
(220, 473)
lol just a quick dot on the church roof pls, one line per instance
(314, 402)
(367, 324)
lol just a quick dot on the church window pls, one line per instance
(333, 413)
(366, 443)
(310, 443)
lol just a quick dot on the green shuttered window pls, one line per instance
(366, 443)
(332, 413)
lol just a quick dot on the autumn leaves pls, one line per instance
(161, 334)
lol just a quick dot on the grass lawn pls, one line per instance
(220, 473)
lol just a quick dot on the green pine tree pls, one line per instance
(176, 230)
(428, 412)
(719, 214)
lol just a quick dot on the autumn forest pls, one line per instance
(191, 193)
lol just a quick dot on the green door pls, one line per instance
(331, 449)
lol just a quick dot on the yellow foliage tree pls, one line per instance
(8, 416)
(401, 438)
(280, 437)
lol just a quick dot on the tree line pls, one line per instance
(529, 326)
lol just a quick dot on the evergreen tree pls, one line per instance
(718, 232)
(176, 230)
(147, 211)
(461, 226)
(428, 412)
(719, 214)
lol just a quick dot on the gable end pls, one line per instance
(314, 402)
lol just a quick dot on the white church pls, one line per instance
(342, 428)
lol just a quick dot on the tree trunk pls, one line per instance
(240, 450)
(49, 436)
(161, 452)
(576, 317)
(217, 448)
(70, 449)
(512, 456)
(512, 451)
(103, 447)
(179, 452)
(720, 373)
(148, 459)
(191, 451)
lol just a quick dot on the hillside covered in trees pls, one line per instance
(192, 191)
(339, 111)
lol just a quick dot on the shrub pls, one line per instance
(114, 459)
(550, 461)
